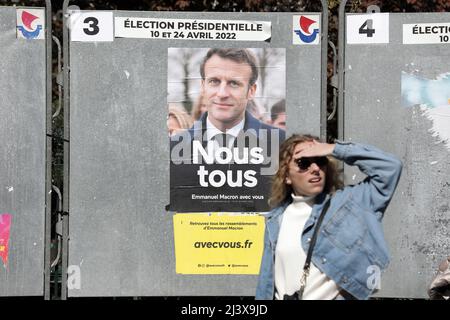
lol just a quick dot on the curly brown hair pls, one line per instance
(282, 191)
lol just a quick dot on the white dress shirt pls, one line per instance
(212, 131)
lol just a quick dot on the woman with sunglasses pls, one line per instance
(323, 240)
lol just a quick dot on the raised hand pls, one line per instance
(314, 149)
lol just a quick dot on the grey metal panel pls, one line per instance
(22, 156)
(417, 220)
(121, 237)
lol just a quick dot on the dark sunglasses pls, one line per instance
(305, 163)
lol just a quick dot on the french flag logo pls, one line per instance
(30, 23)
(306, 29)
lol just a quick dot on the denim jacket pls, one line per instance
(350, 247)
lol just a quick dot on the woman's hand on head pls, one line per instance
(316, 149)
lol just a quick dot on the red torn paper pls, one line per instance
(5, 226)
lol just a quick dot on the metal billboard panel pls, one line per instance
(121, 236)
(391, 102)
(22, 157)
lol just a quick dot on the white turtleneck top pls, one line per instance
(290, 257)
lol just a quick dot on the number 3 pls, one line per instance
(93, 26)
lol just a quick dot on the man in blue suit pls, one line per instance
(228, 84)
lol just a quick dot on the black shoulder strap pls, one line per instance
(314, 237)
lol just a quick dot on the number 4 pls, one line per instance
(369, 31)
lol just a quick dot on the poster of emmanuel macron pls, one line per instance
(223, 141)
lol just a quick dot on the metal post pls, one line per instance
(324, 64)
(65, 231)
(58, 77)
(48, 173)
(341, 68)
(58, 233)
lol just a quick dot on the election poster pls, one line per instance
(218, 243)
(226, 121)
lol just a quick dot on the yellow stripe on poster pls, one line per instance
(218, 243)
